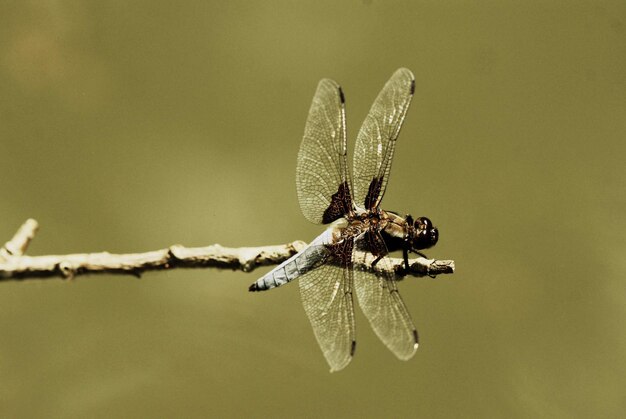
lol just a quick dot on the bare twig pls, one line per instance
(20, 241)
(14, 265)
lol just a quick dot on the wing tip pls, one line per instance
(254, 288)
(405, 356)
(416, 344)
(339, 366)
(341, 96)
(403, 71)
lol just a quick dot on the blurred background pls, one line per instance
(131, 126)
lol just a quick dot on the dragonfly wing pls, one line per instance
(327, 298)
(376, 141)
(380, 301)
(322, 179)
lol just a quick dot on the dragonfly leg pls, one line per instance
(405, 256)
(376, 260)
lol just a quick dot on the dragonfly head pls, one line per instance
(426, 235)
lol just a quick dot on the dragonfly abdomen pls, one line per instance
(308, 258)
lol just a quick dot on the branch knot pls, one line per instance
(66, 269)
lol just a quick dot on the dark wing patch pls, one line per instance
(373, 192)
(340, 204)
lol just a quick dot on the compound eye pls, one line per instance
(434, 236)
(423, 223)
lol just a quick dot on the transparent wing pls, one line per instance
(327, 298)
(376, 141)
(321, 175)
(378, 296)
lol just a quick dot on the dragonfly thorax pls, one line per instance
(405, 233)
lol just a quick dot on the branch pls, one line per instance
(14, 265)
(19, 243)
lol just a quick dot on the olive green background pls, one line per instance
(131, 126)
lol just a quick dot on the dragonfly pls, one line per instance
(352, 255)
